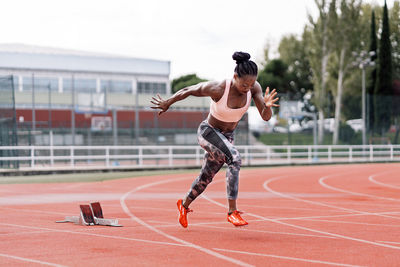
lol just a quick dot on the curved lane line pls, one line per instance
(141, 222)
(371, 178)
(322, 182)
(299, 227)
(314, 230)
(320, 203)
(357, 212)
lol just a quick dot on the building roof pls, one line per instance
(20, 56)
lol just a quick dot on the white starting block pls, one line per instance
(91, 215)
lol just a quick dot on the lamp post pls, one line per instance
(363, 60)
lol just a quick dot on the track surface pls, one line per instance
(342, 215)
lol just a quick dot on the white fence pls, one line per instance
(139, 157)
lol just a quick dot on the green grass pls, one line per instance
(277, 139)
(86, 177)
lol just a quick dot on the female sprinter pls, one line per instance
(230, 99)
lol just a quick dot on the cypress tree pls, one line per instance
(373, 47)
(383, 88)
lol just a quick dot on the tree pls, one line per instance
(383, 89)
(184, 81)
(396, 109)
(266, 52)
(275, 75)
(347, 41)
(320, 46)
(395, 38)
(292, 51)
(373, 47)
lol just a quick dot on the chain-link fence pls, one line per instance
(122, 135)
(81, 111)
(8, 124)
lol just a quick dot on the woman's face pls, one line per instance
(245, 83)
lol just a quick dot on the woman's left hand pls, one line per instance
(270, 98)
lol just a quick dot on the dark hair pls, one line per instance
(244, 65)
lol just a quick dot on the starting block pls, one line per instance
(91, 215)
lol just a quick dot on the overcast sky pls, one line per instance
(196, 36)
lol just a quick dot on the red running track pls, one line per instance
(340, 215)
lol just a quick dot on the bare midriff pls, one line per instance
(223, 126)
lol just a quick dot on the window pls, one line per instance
(152, 88)
(16, 83)
(39, 83)
(115, 86)
(80, 85)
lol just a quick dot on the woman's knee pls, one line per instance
(236, 160)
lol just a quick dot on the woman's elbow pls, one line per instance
(267, 118)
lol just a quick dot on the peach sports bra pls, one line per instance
(222, 112)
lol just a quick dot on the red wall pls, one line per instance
(126, 119)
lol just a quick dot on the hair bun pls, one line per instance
(241, 57)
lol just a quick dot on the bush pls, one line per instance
(348, 136)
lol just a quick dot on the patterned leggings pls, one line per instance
(219, 150)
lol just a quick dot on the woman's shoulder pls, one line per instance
(217, 89)
(217, 85)
(256, 89)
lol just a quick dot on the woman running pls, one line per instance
(230, 99)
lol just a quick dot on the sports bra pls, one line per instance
(222, 112)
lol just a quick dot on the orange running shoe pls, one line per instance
(182, 213)
(236, 219)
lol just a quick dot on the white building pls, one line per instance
(90, 70)
(104, 77)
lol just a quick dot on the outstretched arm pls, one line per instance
(264, 104)
(200, 89)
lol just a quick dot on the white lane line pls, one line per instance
(390, 242)
(286, 258)
(141, 222)
(357, 223)
(322, 182)
(319, 203)
(164, 225)
(173, 210)
(372, 179)
(279, 208)
(265, 185)
(262, 231)
(38, 211)
(200, 212)
(243, 229)
(96, 235)
(336, 216)
(386, 205)
(119, 205)
(25, 233)
(29, 260)
(353, 212)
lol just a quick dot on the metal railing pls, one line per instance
(134, 157)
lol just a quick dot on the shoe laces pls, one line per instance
(238, 212)
(187, 209)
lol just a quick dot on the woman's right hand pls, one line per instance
(160, 104)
